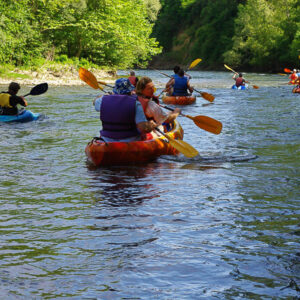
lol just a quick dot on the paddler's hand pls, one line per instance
(25, 102)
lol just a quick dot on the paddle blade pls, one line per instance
(255, 86)
(89, 78)
(183, 147)
(195, 63)
(287, 70)
(207, 123)
(207, 96)
(228, 68)
(39, 89)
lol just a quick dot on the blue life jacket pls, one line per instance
(180, 86)
(117, 114)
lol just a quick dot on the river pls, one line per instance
(224, 225)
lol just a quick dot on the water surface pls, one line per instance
(221, 226)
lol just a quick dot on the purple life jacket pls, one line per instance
(117, 114)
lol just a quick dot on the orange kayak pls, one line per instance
(296, 90)
(179, 100)
(115, 153)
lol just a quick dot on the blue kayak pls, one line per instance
(241, 87)
(22, 117)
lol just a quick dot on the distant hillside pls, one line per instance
(254, 35)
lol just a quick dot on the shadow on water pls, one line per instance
(126, 185)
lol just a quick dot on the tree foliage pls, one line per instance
(254, 34)
(106, 32)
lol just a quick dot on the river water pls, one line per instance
(221, 226)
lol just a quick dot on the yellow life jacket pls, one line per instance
(4, 100)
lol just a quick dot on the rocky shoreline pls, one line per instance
(63, 77)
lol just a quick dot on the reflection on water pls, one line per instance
(222, 225)
(123, 185)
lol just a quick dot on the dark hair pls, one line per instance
(180, 73)
(240, 75)
(176, 69)
(14, 87)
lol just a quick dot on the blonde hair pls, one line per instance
(141, 84)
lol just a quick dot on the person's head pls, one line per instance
(180, 73)
(240, 75)
(294, 71)
(13, 88)
(145, 87)
(176, 69)
(123, 87)
(132, 73)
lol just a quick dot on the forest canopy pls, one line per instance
(253, 34)
(105, 32)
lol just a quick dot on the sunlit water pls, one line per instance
(221, 226)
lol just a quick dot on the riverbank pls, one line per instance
(58, 75)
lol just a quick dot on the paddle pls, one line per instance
(102, 82)
(203, 122)
(206, 96)
(180, 145)
(89, 78)
(194, 63)
(254, 86)
(286, 70)
(38, 89)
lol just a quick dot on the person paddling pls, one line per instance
(145, 92)
(122, 115)
(240, 81)
(133, 79)
(9, 100)
(180, 84)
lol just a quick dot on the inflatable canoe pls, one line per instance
(100, 153)
(179, 100)
(296, 90)
(241, 87)
(22, 117)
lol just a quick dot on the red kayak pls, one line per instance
(115, 153)
(179, 100)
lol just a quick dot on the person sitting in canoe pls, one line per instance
(180, 84)
(122, 115)
(132, 78)
(293, 77)
(145, 92)
(9, 100)
(240, 81)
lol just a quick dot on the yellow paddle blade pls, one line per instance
(207, 123)
(183, 147)
(89, 78)
(229, 69)
(195, 63)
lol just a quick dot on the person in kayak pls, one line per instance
(293, 77)
(145, 92)
(180, 84)
(9, 100)
(240, 81)
(122, 115)
(133, 79)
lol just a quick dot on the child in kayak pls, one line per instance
(9, 100)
